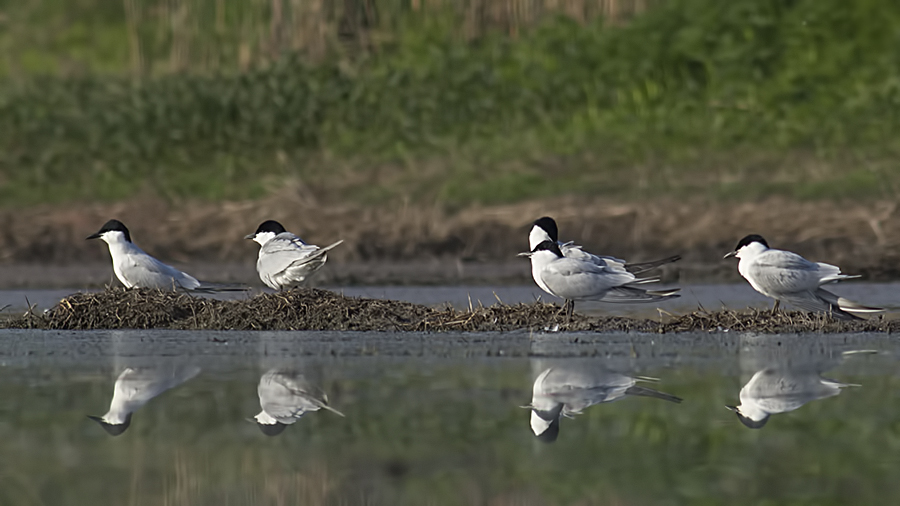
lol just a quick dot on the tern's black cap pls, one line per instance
(112, 226)
(113, 429)
(548, 246)
(748, 422)
(549, 225)
(270, 226)
(271, 429)
(750, 239)
(551, 433)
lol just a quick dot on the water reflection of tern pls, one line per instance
(137, 386)
(284, 397)
(567, 391)
(787, 386)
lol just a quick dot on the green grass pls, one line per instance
(722, 99)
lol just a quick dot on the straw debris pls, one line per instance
(314, 309)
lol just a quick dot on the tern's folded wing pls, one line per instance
(784, 272)
(574, 279)
(284, 250)
(144, 271)
(574, 251)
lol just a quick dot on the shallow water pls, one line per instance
(436, 419)
(711, 297)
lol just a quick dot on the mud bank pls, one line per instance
(314, 309)
(860, 237)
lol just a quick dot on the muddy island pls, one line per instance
(315, 309)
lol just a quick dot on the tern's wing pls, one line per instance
(136, 386)
(782, 272)
(574, 251)
(286, 395)
(144, 271)
(574, 279)
(283, 251)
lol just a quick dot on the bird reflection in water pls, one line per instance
(285, 396)
(563, 391)
(135, 387)
(783, 388)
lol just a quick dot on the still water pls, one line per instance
(438, 419)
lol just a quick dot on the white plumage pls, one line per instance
(135, 268)
(137, 386)
(567, 391)
(779, 390)
(284, 259)
(284, 398)
(786, 276)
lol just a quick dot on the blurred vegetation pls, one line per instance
(454, 102)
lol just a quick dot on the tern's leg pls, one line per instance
(570, 308)
(775, 307)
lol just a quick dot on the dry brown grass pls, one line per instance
(313, 309)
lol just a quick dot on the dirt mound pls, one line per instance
(313, 309)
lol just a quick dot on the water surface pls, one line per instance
(437, 419)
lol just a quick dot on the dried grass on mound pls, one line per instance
(313, 309)
(765, 322)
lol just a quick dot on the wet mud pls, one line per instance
(315, 309)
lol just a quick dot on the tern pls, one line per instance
(134, 388)
(565, 392)
(285, 397)
(786, 276)
(545, 228)
(575, 280)
(285, 261)
(136, 269)
(779, 390)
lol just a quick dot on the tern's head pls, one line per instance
(753, 422)
(546, 250)
(543, 229)
(113, 429)
(112, 231)
(271, 429)
(266, 231)
(545, 424)
(751, 245)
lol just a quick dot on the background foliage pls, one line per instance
(477, 101)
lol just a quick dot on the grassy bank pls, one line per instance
(723, 99)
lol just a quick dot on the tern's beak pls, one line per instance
(248, 236)
(524, 254)
(729, 255)
(93, 236)
(732, 408)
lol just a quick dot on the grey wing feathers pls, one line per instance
(287, 250)
(641, 267)
(626, 294)
(784, 272)
(148, 272)
(649, 392)
(820, 301)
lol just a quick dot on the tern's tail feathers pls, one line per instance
(326, 248)
(626, 294)
(646, 266)
(823, 301)
(838, 277)
(329, 408)
(846, 304)
(207, 287)
(649, 392)
(315, 257)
